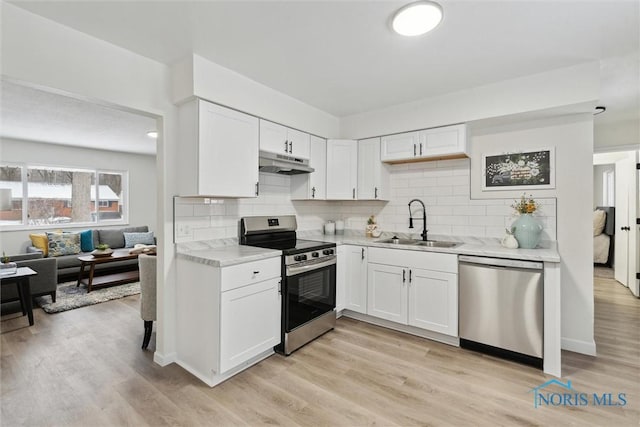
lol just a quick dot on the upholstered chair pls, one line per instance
(147, 264)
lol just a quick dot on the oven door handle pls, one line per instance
(293, 270)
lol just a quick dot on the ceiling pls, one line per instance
(36, 115)
(341, 56)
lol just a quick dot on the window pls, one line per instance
(58, 195)
(608, 188)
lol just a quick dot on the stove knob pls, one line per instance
(315, 254)
(304, 257)
(328, 251)
(297, 258)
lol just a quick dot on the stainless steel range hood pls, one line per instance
(283, 164)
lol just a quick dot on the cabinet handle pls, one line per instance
(409, 276)
(354, 193)
(256, 272)
(257, 188)
(313, 192)
(375, 192)
(290, 147)
(414, 149)
(286, 146)
(421, 148)
(404, 275)
(362, 253)
(280, 287)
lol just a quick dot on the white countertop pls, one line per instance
(225, 252)
(470, 245)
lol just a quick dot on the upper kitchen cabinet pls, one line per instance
(342, 169)
(446, 142)
(279, 139)
(373, 175)
(312, 186)
(400, 147)
(218, 153)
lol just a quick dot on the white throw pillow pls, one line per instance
(599, 219)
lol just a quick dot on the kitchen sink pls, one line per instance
(398, 241)
(428, 243)
(438, 244)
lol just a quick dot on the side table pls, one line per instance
(21, 278)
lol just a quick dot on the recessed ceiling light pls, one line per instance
(417, 18)
(152, 134)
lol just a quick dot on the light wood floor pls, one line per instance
(84, 367)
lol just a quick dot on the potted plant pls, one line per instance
(526, 228)
(6, 266)
(102, 250)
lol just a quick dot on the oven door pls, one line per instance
(309, 291)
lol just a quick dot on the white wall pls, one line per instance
(196, 76)
(572, 138)
(598, 170)
(443, 186)
(142, 189)
(578, 85)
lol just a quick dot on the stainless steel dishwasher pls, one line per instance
(501, 307)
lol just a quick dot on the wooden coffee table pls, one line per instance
(107, 279)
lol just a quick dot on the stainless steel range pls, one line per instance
(308, 278)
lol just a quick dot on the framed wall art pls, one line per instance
(525, 170)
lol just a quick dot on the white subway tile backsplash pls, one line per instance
(443, 186)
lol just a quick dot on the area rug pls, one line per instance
(69, 296)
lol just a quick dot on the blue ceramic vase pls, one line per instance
(527, 230)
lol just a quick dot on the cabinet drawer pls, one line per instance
(447, 263)
(239, 275)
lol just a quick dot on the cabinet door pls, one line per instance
(433, 301)
(342, 169)
(400, 147)
(318, 161)
(228, 152)
(341, 279)
(273, 137)
(372, 174)
(449, 140)
(356, 278)
(298, 143)
(387, 292)
(249, 322)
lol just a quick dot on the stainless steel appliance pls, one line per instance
(308, 278)
(283, 164)
(501, 307)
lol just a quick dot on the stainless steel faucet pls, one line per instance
(424, 218)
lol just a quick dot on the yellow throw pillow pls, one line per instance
(41, 242)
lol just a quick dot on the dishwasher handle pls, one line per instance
(501, 262)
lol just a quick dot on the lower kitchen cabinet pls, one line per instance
(227, 318)
(355, 277)
(414, 288)
(341, 278)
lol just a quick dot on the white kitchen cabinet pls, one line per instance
(280, 139)
(342, 169)
(355, 262)
(433, 301)
(447, 142)
(227, 318)
(218, 153)
(312, 186)
(373, 175)
(387, 292)
(414, 288)
(341, 278)
(401, 146)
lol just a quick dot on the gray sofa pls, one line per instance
(68, 266)
(44, 283)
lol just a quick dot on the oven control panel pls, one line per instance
(307, 256)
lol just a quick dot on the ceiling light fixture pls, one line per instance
(152, 134)
(417, 18)
(600, 109)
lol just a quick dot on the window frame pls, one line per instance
(70, 225)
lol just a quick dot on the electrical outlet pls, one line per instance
(207, 201)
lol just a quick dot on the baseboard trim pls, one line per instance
(164, 360)
(582, 347)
